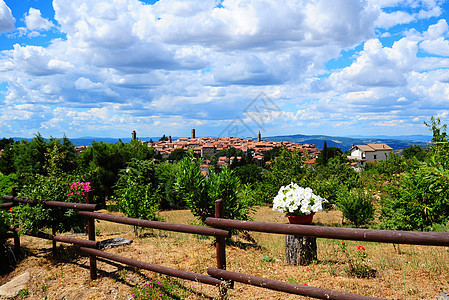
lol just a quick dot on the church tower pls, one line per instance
(259, 137)
(134, 135)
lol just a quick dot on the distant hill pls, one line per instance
(345, 143)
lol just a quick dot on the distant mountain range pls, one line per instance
(344, 143)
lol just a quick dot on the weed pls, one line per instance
(164, 288)
(266, 258)
(23, 292)
(358, 266)
(292, 280)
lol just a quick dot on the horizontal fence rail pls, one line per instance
(58, 238)
(155, 268)
(6, 205)
(282, 286)
(158, 225)
(355, 234)
(79, 206)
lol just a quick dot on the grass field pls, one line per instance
(402, 271)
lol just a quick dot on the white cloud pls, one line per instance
(35, 21)
(6, 19)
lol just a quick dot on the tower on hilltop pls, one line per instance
(193, 133)
(259, 137)
(134, 135)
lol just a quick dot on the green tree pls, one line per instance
(29, 156)
(323, 157)
(104, 160)
(5, 142)
(177, 155)
(166, 176)
(414, 151)
(438, 130)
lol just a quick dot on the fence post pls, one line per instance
(221, 250)
(91, 235)
(15, 232)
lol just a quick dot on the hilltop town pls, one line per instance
(208, 146)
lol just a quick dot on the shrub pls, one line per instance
(356, 205)
(200, 192)
(48, 188)
(418, 200)
(136, 191)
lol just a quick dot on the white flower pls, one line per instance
(296, 200)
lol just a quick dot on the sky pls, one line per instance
(104, 68)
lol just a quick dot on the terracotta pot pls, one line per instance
(304, 219)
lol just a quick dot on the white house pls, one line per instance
(370, 152)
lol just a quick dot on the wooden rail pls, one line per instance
(355, 234)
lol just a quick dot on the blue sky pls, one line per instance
(331, 67)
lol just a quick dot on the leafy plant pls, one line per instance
(48, 188)
(417, 200)
(137, 194)
(357, 262)
(200, 192)
(164, 288)
(356, 205)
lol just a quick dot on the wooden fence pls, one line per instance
(220, 229)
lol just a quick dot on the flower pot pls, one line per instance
(304, 219)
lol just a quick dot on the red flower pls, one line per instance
(360, 247)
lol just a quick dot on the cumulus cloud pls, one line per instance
(35, 21)
(6, 19)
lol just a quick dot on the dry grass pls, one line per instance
(403, 272)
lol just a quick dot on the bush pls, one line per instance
(136, 192)
(7, 182)
(356, 205)
(48, 188)
(417, 201)
(200, 192)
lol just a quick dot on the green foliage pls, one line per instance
(438, 130)
(177, 155)
(324, 156)
(136, 191)
(418, 200)
(47, 188)
(356, 205)
(104, 160)
(5, 222)
(163, 138)
(414, 151)
(164, 288)
(251, 174)
(387, 168)
(286, 168)
(29, 156)
(7, 182)
(357, 262)
(166, 176)
(200, 192)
